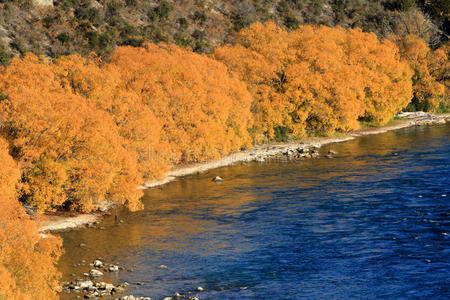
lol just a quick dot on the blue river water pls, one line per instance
(371, 223)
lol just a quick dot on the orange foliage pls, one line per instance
(105, 88)
(87, 131)
(27, 261)
(429, 69)
(317, 79)
(69, 150)
(203, 111)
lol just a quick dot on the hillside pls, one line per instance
(60, 27)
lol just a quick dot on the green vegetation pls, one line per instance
(83, 26)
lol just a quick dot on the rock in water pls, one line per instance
(98, 263)
(162, 267)
(95, 273)
(200, 289)
(217, 179)
(113, 268)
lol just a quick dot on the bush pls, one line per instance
(63, 37)
(4, 56)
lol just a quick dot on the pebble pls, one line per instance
(200, 289)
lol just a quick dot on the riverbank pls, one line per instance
(258, 153)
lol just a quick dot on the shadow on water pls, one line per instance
(370, 223)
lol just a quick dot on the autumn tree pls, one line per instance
(259, 58)
(431, 68)
(27, 261)
(204, 112)
(71, 153)
(105, 87)
(317, 79)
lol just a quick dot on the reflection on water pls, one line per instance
(370, 223)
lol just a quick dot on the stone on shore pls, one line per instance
(421, 118)
(85, 284)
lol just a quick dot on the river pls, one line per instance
(371, 223)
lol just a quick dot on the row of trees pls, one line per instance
(322, 79)
(85, 131)
(77, 131)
